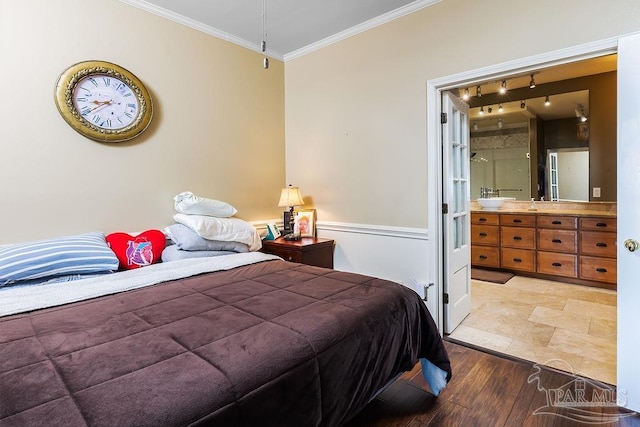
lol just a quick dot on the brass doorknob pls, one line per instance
(631, 245)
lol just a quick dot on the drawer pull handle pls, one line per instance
(601, 224)
(556, 222)
(483, 257)
(483, 234)
(517, 221)
(601, 245)
(556, 241)
(517, 259)
(482, 219)
(556, 264)
(601, 270)
(517, 238)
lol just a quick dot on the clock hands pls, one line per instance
(100, 104)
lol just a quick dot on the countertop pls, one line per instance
(591, 209)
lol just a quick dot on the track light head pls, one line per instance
(532, 82)
(465, 94)
(503, 88)
(547, 102)
(478, 91)
(522, 104)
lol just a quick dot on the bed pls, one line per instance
(239, 340)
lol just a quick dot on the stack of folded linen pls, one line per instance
(206, 227)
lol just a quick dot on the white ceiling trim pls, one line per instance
(372, 23)
(181, 19)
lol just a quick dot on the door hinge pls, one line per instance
(445, 298)
(443, 118)
(445, 208)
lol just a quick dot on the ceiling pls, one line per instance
(292, 26)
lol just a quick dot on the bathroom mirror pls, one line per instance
(537, 147)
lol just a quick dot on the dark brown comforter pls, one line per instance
(273, 343)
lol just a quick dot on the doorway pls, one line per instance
(518, 68)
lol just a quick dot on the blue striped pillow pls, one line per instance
(82, 254)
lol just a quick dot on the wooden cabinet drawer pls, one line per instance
(485, 218)
(598, 243)
(599, 269)
(560, 221)
(514, 237)
(558, 264)
(558, 240)
(487, 256)
(292, 256)
(518, 259)
(517, 220)
(485, 234)
(599, 224)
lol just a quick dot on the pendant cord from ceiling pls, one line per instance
(265, 61)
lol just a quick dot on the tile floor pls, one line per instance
(569, 327)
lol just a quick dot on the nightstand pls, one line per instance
(308, 250)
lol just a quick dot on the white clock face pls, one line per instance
(105, 101)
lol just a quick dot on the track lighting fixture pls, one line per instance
(481, 112)
(465, 94)
(500, 123)
(522, 104)
(478, 92)
(546, 101)
(532, 83)
(503, 88)
(580, 113)
(490, 110)
(500, 109)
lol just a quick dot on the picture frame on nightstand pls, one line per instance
(305, 223)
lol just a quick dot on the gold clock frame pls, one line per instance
(64, 101)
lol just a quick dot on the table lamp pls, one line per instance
(291, 197)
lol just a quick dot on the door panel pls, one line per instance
(628, 221)
(457, 222)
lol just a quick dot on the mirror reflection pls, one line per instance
(557, 168)
(565, 150)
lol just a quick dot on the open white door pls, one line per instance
(628, 222)
(456, 221)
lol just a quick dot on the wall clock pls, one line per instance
(103, 101)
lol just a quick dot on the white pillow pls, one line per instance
(223, 229)
(188, 203)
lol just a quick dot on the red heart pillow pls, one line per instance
(137, 251)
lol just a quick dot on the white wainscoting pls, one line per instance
(395, 253)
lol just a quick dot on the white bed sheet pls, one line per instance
(21, 298)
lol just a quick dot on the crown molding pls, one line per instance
(372, 23)
(360, 28)
(181, 19)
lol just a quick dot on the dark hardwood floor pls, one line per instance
(488, 389)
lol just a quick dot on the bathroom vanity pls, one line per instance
(556, 242)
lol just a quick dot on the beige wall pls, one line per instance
(356, 110)
(218, 126)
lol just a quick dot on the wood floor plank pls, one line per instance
(488, 389)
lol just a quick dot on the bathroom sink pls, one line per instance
(493, 203)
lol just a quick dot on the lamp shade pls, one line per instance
(290, 196)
